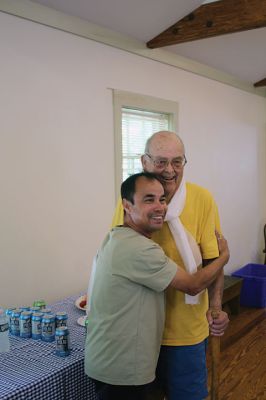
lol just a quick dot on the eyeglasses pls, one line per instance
(162, 163)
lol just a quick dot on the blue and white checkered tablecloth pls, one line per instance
(32, 370)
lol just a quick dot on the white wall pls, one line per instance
(57, 154)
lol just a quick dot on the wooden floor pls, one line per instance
(243, 357)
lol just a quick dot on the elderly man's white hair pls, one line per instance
(162, 133)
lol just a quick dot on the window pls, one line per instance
(137, 127)
(136, 118)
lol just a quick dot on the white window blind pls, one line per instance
(137, 126)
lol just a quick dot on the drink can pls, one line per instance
(8, 314)
(3, 327)
(35, 309)
(48, 327)
(86, 325)
(24, 308)
(14, 322)
(60, 319)
(39, 303)
(62, 341)
(36, 325)
(46, 310)
(25, 324)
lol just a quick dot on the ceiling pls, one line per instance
(241, 54)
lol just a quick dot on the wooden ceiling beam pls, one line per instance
(260, 83)
(214, 19)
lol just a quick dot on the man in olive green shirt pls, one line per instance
(127, 315)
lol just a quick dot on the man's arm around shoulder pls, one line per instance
(195, 283)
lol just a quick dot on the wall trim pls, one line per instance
(47, 16)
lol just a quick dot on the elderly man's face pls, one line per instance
(166, 159)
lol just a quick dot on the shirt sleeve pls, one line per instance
(208, 243)
(118, 217)
(149, 266)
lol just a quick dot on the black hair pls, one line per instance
(128, 187)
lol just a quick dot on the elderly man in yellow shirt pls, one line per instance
(188, 238)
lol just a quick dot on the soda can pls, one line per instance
(86, 326)
(14, 322)
(35, 309)
(46, 310)
(39, 303)
(24, 308)
(25, 324)
(48, 327)
(36, 325)
(62, 341)
(8, 314)
(60, 319)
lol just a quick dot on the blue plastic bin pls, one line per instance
(253, 291)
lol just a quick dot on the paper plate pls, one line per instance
(81, 320)
(79, 303)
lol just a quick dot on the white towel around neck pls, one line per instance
(180, 235)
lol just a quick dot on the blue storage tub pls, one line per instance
(253, 291)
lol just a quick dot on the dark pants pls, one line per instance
(106, 391)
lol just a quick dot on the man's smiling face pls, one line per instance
(147, 211)
(166, 149)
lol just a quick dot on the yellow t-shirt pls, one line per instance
(187, 324)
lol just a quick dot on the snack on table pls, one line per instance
(81, 303)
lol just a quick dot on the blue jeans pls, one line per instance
(182, 371)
